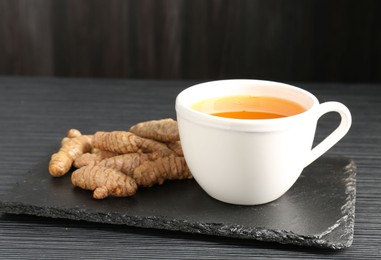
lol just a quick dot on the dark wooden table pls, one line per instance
(36, 112)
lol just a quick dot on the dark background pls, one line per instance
(296, 40)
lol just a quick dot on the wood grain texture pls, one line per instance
(36, 112)
(317, 40)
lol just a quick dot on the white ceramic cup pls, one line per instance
(250, 162)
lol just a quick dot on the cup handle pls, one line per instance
(337, 134)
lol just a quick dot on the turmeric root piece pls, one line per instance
(64, 140)
(95, 156)
(71, 148)
(176, 148)
(165, 168)
(103, 181)
(73, 133)
(152, 146)
(117, 141)
(164, 130)
(125, 163)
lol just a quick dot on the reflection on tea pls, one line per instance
(249, 107)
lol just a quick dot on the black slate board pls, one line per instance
(317, 211)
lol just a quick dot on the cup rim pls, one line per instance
(184, 111)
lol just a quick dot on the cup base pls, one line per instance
(244, 202)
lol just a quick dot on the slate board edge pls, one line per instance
(349, 208)
(155, 222)
(346, 224)
(216, 229)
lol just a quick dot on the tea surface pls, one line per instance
(249, 107)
